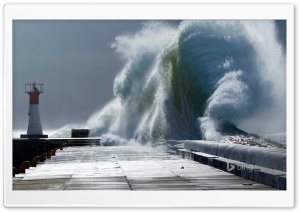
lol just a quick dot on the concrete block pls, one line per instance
(266, 176)
(264, 157)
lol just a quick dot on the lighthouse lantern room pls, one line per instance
(34, 125)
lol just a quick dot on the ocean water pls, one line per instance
(205, 80)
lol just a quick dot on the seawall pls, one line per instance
(262, 165)
(265, 157)
(25, 149)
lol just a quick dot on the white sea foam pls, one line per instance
(181, 83)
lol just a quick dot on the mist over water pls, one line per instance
(190, 81)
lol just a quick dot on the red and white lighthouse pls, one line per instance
(34, 126)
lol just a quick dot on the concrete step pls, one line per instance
(266, 176)
(265, 157)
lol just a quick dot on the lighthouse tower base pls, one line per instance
(34, 126)
(33, 136)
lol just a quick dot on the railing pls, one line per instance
(30, 87)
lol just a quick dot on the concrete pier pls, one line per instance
(24, 149)
(126, 168)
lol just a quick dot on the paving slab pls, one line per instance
(126, 168)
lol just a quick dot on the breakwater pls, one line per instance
(27, 149)
(262, 165)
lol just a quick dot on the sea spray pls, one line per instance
(202, 80)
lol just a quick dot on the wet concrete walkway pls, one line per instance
(126, 168)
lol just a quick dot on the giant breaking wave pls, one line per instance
(201, 80)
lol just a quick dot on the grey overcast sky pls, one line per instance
(74, 61)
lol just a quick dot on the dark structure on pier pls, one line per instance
(80, 133)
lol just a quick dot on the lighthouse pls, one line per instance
(34, 125)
